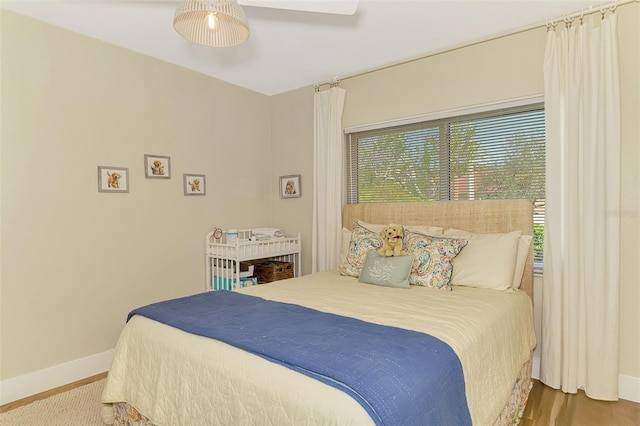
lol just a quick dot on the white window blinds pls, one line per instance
(491, 155)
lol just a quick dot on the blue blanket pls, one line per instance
(400, 377)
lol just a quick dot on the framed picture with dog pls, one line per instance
(157, 166)
(113, 179)
(290, 186)
(194, 184)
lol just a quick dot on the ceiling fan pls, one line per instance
(338, 7)
(222, 23)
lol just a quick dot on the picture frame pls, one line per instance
(113, 179)
(157, 166)
(194, 184)
(290, 186)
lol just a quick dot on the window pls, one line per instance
(498, 154)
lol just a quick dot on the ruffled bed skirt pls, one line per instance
(126, 415)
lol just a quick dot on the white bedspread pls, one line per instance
(173, 377)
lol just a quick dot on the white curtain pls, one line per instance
(580, 295)
(328, 149)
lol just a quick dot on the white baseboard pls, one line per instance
(50, 378)
(628, 386)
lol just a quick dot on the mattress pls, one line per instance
(173, 377)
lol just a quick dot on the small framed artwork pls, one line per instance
(194, 184)
(113, 179)
(290, 186)
(157, 166)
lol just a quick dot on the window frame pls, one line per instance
(442, 119)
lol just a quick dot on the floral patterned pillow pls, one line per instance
(362, 240)
(433, 256)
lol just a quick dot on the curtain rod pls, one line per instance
(333, 81)
(603, 9)
(592, 9)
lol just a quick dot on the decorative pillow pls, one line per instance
(432, 265)
(488, 260)
(362, 240)
(420, 229)
(521, 259)
(386, 271)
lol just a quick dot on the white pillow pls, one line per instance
(420, 229)
(487, 261)
(521, 259)
(344, 248)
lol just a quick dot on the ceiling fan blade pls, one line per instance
(338, 7)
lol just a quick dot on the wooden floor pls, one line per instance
(547, 406)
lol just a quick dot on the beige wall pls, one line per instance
(292, 128)
(75, 261)
(484, 73)
(629, 39)
(502, 69)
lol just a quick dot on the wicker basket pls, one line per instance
(273, 270)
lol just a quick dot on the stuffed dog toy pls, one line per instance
(392, 241)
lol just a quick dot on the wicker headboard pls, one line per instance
(490, 216)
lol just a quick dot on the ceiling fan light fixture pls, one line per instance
(215, 23)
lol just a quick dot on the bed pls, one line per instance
(163, 375)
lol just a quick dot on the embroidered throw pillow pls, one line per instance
(433, 256)
(362, 240)
(386, 271)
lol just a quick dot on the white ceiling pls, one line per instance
(290, 49)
